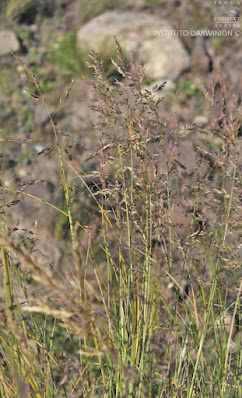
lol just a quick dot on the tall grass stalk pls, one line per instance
(152, 305)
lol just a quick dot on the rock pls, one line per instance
(164, 57)
(77, 106)
(159, 88)
(201, 61)
(181, 221)
(200, 121)
(8, 42)
(41, 116)
(186, 155)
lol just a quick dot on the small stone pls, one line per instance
(187, 156)
(33, 28)
(201, 62)
(41, 116)
(181, 221)
(159, 88)
(8, 42)
(201, 121)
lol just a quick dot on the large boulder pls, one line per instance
(8, 42)
(164, 57)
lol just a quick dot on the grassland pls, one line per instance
(161, 315)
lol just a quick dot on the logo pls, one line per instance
(227, 14)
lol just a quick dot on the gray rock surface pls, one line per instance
(200, 59)
(8, 42)
(158, 89)
(164, 57)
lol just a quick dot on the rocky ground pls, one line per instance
(193, 111)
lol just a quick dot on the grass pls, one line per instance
(91, 9)
(160, 315)
(67, 57)
(13, 6)
(73, 61)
